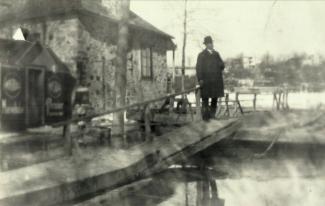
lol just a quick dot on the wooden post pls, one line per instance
(280, 99)
(277, 97)
(275, 101)
(104, 82)
(238, 105)
(215, 200)
(254, 102)
(2, 159)
(190, 108)
(198, 104)
(147, 122)
(227, 105)
(174, 72)
(198, 193)
(214, 189)
(206, 193)
(121, 65)
(286, 99)
(67, 139)
(171, 105)
(0, 97)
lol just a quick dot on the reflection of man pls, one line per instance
(209, 69)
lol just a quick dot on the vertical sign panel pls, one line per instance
(13, 98)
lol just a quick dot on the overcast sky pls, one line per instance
(249, 27)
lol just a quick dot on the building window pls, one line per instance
(146, 64)
(81, 72)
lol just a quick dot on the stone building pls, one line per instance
(83, 33)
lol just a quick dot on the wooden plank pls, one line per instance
(293, 127)
(296, 136)
(187, 139)
(68, 178)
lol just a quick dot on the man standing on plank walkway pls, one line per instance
(209, 68)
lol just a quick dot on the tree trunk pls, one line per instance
(121, 64)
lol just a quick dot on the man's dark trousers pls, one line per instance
(209, 112)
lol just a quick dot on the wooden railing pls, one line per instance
(69, 142)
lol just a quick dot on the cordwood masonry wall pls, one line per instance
(72, 38)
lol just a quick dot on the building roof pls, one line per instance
(31, 9)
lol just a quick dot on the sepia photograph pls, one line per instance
(162, 102)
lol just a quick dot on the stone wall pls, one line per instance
(100, 66)
(101, 53)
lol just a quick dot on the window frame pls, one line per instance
(147, 70)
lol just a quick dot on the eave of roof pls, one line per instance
(47, 9)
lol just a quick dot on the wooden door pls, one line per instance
(35, 97)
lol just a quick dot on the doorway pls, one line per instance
(35, 96)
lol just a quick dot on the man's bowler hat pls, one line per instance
(207, 40)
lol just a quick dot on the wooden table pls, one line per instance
(280, 95)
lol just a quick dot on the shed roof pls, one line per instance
(16, 52)
(31, 9)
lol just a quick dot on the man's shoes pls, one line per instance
(205, 113)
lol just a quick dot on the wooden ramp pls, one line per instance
(90, 170)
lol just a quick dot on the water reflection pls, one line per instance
(198, 185)
(290, 175)
(229, 174)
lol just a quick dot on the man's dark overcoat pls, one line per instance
(209, 69)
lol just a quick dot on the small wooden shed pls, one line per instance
(35, 86)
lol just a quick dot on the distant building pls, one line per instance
(312, 60)
(83, 33)
(249, 62)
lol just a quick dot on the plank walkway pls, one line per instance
(88, 171)
(304, 127)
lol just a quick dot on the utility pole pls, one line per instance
(121, 64)
(184, 44)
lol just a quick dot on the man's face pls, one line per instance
(209, 46)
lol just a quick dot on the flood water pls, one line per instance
(289, 174)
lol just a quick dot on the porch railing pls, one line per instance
(144, 106)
